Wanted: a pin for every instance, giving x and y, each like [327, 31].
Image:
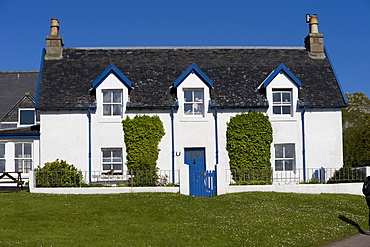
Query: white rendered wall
[324, 146]
[64, 136]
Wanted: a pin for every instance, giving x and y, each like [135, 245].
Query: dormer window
[27, 117]
[112, 102]
[193, 102]
[282, 102]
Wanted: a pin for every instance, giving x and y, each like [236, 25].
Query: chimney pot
[54, 27]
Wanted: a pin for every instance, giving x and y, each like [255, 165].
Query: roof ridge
[188, 47]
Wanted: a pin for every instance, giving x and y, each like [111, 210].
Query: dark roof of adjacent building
[29, 131]
[14, 87]
[237, 73]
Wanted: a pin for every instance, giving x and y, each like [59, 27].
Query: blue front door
[201, 182]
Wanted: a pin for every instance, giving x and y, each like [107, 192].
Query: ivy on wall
[142, 135]
[249, 138]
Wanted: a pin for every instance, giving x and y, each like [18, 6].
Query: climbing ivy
[249, 138]
[142, 135]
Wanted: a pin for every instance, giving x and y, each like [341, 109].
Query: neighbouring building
[19, 122]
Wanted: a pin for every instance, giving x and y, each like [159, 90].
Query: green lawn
[160, 219]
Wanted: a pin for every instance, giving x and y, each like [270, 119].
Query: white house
[85, 93]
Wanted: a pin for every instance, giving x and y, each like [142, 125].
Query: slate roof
[236, 72]
[13, 86]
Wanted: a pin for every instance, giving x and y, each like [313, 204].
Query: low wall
[103, 190]
[345, 188]
[97, 190]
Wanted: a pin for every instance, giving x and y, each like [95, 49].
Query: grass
[166, 219]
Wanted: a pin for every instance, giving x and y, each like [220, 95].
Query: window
[112, 160]
[2, 157]
[23, 157]
[27, 117]
[193, 102]
[282, 102]
[112, 102]
[284, 157]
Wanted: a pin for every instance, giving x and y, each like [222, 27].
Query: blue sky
[345, 25]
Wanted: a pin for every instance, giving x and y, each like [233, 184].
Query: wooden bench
[17, 180]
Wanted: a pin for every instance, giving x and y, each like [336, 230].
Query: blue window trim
[112, 69]
[193, 69]
[282, 69]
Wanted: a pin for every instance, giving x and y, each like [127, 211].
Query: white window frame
[282, 104]
[112, 162]
[112, 104]
[3, 157]
[286, 157]
[20, 116]
[195, 106]
[23, 163]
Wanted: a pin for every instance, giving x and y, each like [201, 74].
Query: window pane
[106, 166]
[2, 165]
[116, 154]
[278, 165]
[198, 109]
[188, 96]
[117, 167]
[117, 96]
[18, 150]
[187, 109]
[106, 110]
[286, 97]
[276, 110]
[279, 151]
[27, 117]
[2, 150]
[198, 95]
[276, 97]
[289, 151]
[27, 165]
[116, 110]
[286, 109]
[107, 97]
[27, 150]
[289, 165]
[106, 154]
[18, 165]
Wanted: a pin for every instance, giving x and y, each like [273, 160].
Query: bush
[249, 138]
[142, 135]
[58, 174]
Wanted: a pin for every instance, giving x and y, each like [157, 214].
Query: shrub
[142, 135]
[58, 174]
[249, 138]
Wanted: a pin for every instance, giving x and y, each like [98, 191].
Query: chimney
[54, 42]
[314, 41]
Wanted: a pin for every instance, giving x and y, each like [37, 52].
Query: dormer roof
[280, 70]
[112, 70]
[193, 69]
